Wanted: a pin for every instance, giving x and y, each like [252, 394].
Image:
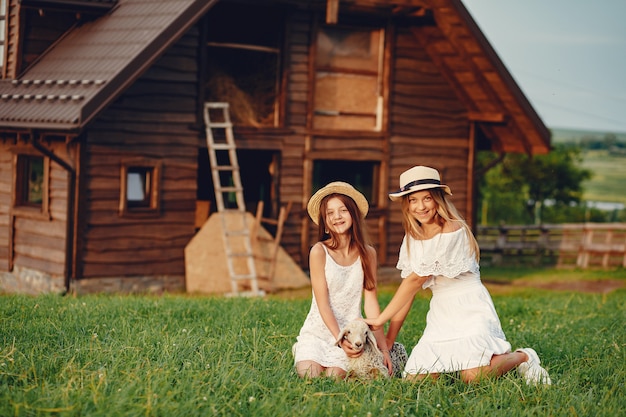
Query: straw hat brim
[337, 187]
[397, 195]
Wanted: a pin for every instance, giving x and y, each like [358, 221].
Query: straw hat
[418, 178]
[337, 187]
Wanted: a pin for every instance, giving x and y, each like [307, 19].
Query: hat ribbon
[420, 182]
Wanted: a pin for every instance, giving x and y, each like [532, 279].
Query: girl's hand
[347, 347]
[373, 323]
[387, 361]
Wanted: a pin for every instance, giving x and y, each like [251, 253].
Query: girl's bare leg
[335, 373]
[500, 365]
[308, 369]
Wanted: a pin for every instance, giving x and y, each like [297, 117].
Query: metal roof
[94, 63]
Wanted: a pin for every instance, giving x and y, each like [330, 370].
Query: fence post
[583, 251]
[500, 245]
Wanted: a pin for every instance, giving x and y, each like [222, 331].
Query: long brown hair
[359, 237]
[446, 212]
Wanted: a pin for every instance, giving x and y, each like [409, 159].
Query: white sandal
[531, 370]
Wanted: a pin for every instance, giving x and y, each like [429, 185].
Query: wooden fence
[572, 245]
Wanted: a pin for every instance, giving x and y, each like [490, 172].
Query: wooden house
[103, 158]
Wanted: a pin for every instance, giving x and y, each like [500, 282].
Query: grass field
[177, 355]
[609, 171]
[609, 176]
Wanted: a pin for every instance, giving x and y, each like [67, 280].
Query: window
[139, 191]
[31, 185]
[363, 175]
[30, 189]
[348, 79]
[139, 188]
[243, 66]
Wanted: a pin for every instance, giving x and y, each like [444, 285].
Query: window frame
[151, 205]
[19, 206]
[330, 70]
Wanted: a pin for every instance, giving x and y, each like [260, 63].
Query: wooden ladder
[227, 182]
[266, 246]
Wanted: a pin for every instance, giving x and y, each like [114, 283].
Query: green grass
[177, 355]
[517, 274]
[609, 174]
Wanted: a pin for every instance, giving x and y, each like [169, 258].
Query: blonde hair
[446, 212]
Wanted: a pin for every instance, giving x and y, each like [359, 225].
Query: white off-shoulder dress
[463, 330]
[315, 342]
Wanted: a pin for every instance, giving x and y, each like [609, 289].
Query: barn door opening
[259, 178]
[363, 175]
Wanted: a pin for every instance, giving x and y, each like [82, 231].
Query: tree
[531, 182]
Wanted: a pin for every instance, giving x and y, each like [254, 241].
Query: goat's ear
[372, 339]
[340, 337]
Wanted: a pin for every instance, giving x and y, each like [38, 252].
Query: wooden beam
[409, 11]
[494, 117]
[332, 11]
[471, 180]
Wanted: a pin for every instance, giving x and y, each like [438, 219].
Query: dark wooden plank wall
[12, 44]
[291, 181]
[429, 126]
[6, 175]
[152, 119]
[38, 241]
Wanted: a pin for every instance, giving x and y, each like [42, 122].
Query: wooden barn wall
[6, 174]
[38, 241]
[12, 38]
[300, 147]
[153, 119]
[292, 181]
[428, 127]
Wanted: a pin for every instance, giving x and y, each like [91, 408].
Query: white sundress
[463, 330]
[315, 342]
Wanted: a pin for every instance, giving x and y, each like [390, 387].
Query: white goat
[368, 365]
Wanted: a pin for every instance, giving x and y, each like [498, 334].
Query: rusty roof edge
[508, 79]
[29, 125]
[142, 61]
[71, 5]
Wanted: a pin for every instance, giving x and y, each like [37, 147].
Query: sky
[567, 56]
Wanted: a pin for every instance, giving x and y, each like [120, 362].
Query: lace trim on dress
[450, 268]
[446, 254]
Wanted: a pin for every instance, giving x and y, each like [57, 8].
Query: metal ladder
[227, 182]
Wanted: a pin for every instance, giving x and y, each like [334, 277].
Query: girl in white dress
[463, 332]
[343, 271]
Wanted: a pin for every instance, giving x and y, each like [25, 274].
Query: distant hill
[560, 135]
